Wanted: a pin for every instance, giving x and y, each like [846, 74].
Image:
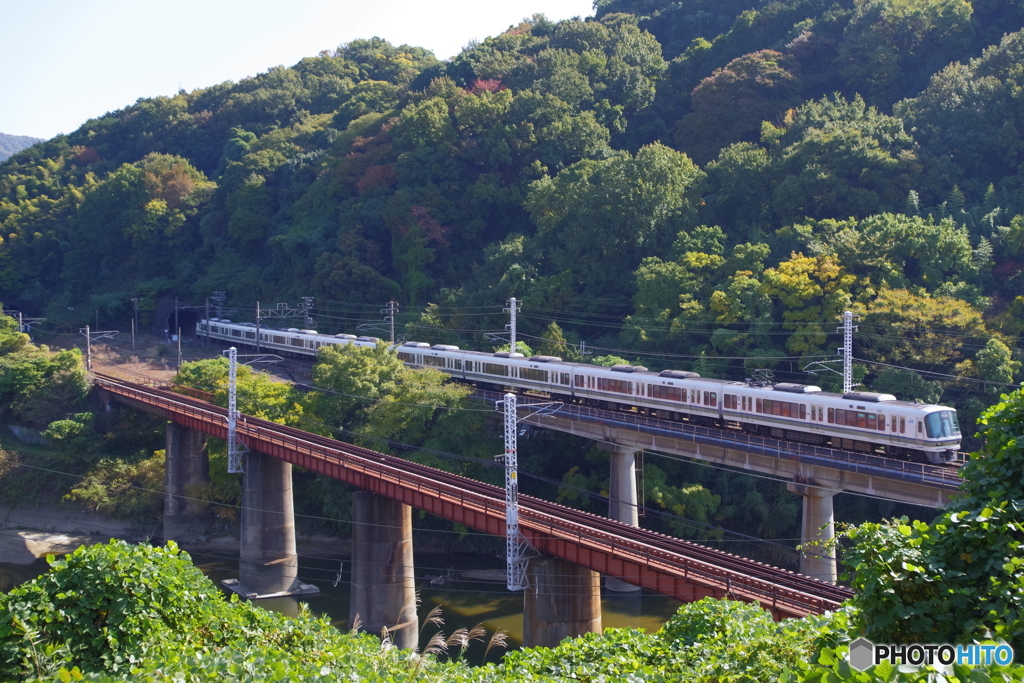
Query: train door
[902, 430]
[817, 418]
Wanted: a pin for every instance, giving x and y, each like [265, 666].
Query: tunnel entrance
[184, 319]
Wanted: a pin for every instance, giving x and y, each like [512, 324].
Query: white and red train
[859, 421]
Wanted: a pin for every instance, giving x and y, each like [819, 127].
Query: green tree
[891, 47]
[809, 290]
[599, 218]
[730, 104]
[918, 329]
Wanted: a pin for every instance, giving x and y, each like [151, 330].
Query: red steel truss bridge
[676, 568]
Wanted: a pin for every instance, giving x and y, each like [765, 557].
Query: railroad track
[541, 513]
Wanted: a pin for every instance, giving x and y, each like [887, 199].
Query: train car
[858, 421]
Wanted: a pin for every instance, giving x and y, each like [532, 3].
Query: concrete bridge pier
[186, 463]
[622, 500]
[818, 523]
[563, 600]
[383, 583]
[267, 564]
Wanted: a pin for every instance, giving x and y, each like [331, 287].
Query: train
[855, 421]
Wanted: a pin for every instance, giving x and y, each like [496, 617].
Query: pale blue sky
[64, 62]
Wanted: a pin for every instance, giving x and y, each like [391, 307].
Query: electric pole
[135, 319]
[235, 449]
[515, 545]
[89, 336]
[307, 304]
[847, 329]
[389, 316]
[218, 302]
[511, 327]
[257, 327]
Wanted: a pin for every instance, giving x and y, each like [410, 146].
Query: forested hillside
[703, 184]
[9, 144]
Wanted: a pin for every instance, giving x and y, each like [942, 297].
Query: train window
[710, 398]
[457, 364]
[236, 333]
[831, 415]
[579, 380]
[919, 424]
[881, 422]
[731, 401]
[435, 361]
[533, 374]
[495, 369]
[250, 335]
[903, 425]
[893, 426]
[665, 393]
[759, 403]
[803, 412]
[564, 380]
[615, 385]
[296, 342]
[942, 424]
[871, 421]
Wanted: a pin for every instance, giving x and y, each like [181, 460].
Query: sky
[65, 62]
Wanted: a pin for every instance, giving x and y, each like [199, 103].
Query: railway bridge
[563, 598]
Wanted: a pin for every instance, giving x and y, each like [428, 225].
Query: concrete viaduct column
[267, 563]
[186, 464]
[563, 600]
[622, 501]
[818, 524]
[383, 583]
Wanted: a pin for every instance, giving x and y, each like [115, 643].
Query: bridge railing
[156, 383]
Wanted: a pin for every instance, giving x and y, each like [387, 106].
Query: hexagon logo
[861, 654]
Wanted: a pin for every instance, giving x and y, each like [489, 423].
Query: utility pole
[517, 549]
[218, 302]
[847, 329]
[25, 324]
[511, 327]
[235, 449]
[257, 327]
[389, 317]
[179, 348]
[89, 336]
[207, 318]
[515, 545]
[307, 304]
[135, 319]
